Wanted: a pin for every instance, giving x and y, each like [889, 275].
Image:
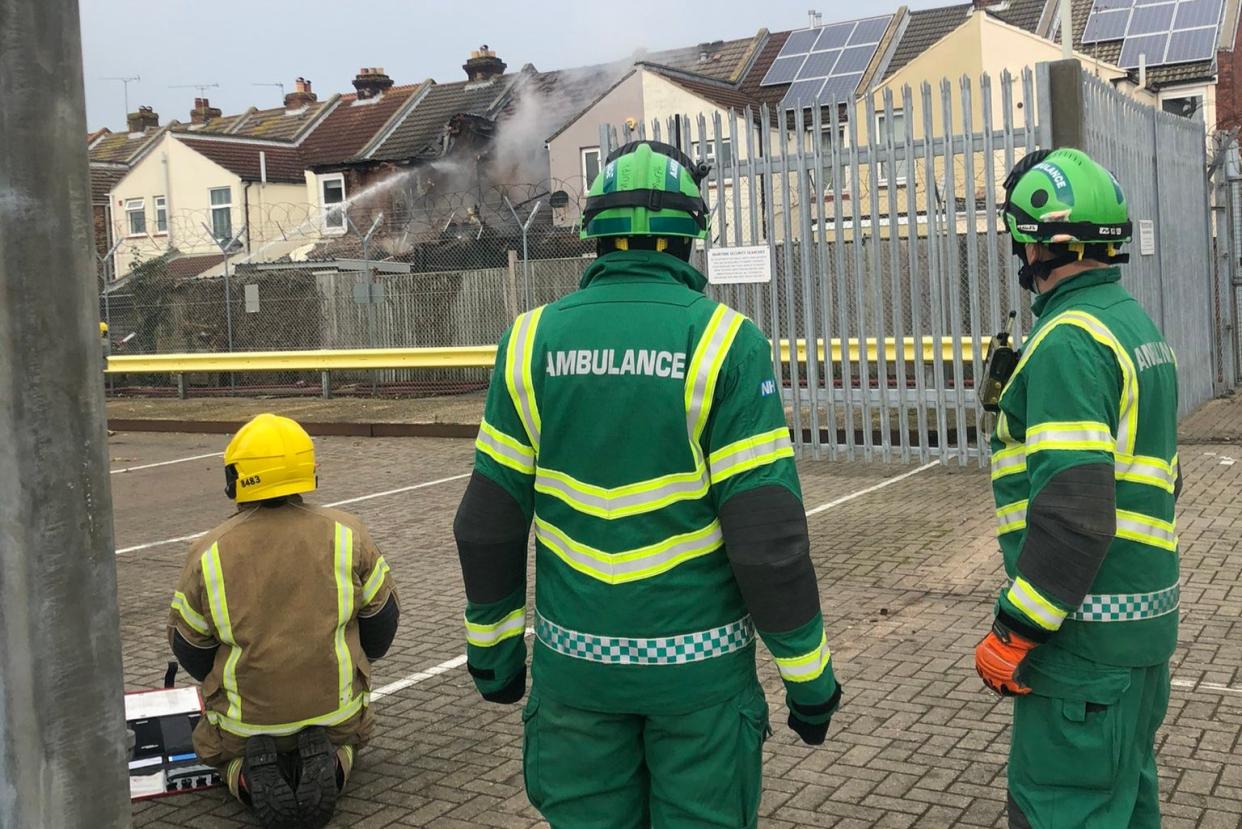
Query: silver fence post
[62, 726]
[525, 227]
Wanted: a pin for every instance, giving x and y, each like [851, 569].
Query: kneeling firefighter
[278, 613]
[639, 425]
[1085, 478]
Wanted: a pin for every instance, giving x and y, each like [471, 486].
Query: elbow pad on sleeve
[1070, 525]
[196, 661]
[766, 539]
[376, 632]
[491, 533]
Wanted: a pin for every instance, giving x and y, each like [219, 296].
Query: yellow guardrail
[474, 356]
[484, 356]
[911, 350]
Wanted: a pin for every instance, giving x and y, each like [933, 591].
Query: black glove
[512, 692]
[813, 734]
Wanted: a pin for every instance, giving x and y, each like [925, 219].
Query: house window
[222, 214]
[332, 195]
[590, 166]
[136, 217]
[826, 143]
[726, 151]
[898, 132]
[1187, 106]
[161, 214]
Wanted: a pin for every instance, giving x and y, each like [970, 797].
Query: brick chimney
[371, 82]
[483, 65]
[203, 111]
[301, 95]
[142, 120]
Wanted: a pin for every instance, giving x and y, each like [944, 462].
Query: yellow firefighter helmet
[269, 457]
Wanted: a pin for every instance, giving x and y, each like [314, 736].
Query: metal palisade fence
[889, 270]
[1161, 160]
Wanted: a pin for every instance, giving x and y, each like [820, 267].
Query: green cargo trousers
[1083, 747]
[595, 770]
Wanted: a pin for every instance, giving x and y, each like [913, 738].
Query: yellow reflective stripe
[518, 359]
[1070, 435]
[188, 614]
[1027, 599]
[808, 666]
[235, 725]
[750, 453]
[1134, 526]
[344, 610]
[1009, 461]
[629, 565]
[622, 501]
[1127, 423]
[375, 581]
[1141, 469]
[485, 636]
[709, 356]
[213, 576]
[505, 450]
[1011, 517]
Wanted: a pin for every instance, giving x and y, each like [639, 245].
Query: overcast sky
[236, 44]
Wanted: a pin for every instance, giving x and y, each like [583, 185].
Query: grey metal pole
[62, 726]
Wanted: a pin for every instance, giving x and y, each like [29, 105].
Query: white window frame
[882, 172]
[843, 142]
[583, 152]
[1199, 92]
[225, 206]
[160, 204]
[325, 209]
[710, 158]
[132, 207]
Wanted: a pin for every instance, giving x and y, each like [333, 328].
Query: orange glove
[998, 657]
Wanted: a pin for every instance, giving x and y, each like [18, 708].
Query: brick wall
[1229, 86]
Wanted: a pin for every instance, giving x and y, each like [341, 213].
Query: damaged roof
[353, 124]
[419, 131]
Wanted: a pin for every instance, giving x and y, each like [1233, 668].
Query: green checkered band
[1128, 607]
[620, 650]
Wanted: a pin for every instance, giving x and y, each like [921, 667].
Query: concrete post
[1061, 103]
[62, 725]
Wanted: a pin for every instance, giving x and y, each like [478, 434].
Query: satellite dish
[558, 199]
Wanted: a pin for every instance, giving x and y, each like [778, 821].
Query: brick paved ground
[907, 574]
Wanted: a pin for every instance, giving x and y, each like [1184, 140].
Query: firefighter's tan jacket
[280, 590]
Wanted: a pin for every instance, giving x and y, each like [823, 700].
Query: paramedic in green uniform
[639, 426]
[1085, 479]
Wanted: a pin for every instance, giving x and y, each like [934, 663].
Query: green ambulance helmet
[1066, 200]
[646, 189]
[1064, 196]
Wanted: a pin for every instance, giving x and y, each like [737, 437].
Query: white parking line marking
[844, 498]
[1205, 686]
[356, 500]
[166, 463]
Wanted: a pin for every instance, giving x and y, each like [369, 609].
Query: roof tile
[284, 164]
[351, 125]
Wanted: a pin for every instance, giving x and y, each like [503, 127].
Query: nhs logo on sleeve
[767, 387]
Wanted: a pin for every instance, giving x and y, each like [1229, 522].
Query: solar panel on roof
[1197, 13]
[819, 64]
[834, 37]
[835, 58]
[799, 42]
[1151, 46]
[1147, 20]
[802, 93]
[1191, 45]
[1160, 31]
[783, 70]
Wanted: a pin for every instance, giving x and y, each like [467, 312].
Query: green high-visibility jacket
[620, 419]
[1096, 384]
